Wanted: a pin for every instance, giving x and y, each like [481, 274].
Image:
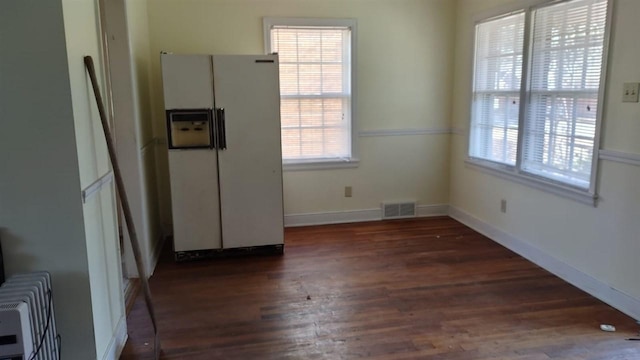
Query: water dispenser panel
[189, 129]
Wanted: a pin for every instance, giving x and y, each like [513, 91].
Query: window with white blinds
[560, 114]
[496, 90]
[560, 128]
[315, 90]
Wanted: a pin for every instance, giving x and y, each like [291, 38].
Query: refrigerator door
[194, 200]
[250, 167]
[187, 83]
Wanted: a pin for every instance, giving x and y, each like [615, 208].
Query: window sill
[320, 165]
[506, 173]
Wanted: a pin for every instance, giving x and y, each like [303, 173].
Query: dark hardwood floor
[406, 289]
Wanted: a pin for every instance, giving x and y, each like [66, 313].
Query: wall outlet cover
[630, 92]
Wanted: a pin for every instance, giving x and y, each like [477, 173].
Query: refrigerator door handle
[221, 129]
[212, 129]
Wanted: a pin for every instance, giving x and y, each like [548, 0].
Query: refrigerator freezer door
[187, 81]
[194, 200]
[250, 168]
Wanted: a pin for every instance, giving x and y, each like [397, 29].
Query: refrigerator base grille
[194, 255]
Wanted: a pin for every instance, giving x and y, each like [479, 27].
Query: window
[536, 97]
[316, 97]
[496, 95]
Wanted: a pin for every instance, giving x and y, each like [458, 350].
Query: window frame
[321, 164]
[515, 172]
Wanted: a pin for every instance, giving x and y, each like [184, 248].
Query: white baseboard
[119, 338]
[432, 210]
[351, 216]
[331, 217]
[617, 299]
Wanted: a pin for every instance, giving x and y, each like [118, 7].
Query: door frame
[117, 63]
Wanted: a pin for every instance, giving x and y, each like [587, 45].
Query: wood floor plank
[405, 289]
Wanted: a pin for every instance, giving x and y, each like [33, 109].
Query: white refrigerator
[225, 162]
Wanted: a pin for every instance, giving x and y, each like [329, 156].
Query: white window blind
[496, 92]
[567, 53]
[315, 91]
[551, 135]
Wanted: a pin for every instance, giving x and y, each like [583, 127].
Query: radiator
[26, 301]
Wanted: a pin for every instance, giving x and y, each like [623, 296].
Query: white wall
[41, 214]
[51, 150]
[128, 42]
[603, 242]
[138, 26]
[83, 37]
[403, 79]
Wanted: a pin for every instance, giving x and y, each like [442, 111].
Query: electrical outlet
[503, 206]
[347, 191]
[630, 92]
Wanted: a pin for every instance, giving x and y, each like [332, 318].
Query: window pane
[315, 128]
[561, 136]
[332, 46]
[497, 78]
[312, 142]
[310, 79]
[332, 78]
[495, 134]
[333, 111]
[314, 89]
[567, 51]
[311, 112]
[291, 143]
[289, 113]
[289, 79]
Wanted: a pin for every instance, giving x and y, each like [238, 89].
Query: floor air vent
[398, 210]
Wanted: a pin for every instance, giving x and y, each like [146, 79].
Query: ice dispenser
[190, 129]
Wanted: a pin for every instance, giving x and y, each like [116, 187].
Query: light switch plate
[630, 92]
